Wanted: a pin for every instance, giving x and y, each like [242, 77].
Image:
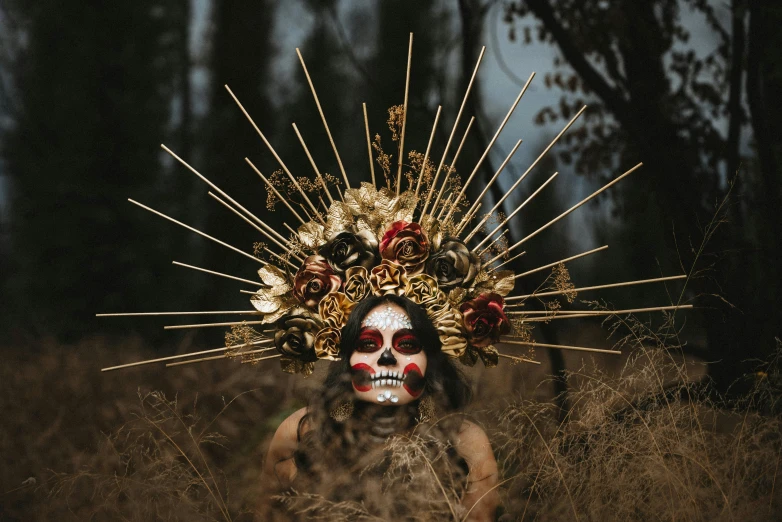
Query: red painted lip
[361, 377]
[413, 380]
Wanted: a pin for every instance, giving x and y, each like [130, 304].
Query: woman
[391, 379]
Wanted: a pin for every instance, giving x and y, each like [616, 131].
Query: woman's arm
[279, 469]
[481, 497]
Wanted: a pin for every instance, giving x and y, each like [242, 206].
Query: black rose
[295, 335]
[453, 265]
[347, 249]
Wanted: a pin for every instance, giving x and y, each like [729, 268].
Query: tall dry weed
[646, 444]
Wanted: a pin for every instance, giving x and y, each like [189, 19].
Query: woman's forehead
[387, 316]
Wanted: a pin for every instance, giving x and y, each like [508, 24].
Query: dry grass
[643, 443]
[635, 447]
[79, 444]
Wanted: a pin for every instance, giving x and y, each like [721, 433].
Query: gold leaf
[481, 277]
[362, 224]
[338, 219]
[405, 206]
[272, 275]
[286, 303]
[457, 295]
[355, 200]
[500, 282]
[489, 356]
[311, 234]
[296, 366]
[385, 205]
[469, 357]
[503, 281]
[265, 302]
[434, 232]
[368, 193]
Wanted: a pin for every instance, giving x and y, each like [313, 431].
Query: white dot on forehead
[387, 317]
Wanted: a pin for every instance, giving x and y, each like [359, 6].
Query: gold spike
[275, 254]
[519, 359]
[451, 170]
[428, 148]
[574, 207]
[404, 117]
[512, 214]
[558, 346]
[516, 184]
[208, 325]
[491, 143]
[489, 271]
[323, 118]
[492, 243]
[216, 357]
[195, 230]
[181, 356]
[446, 204]
[274, 190]
[455, 124]
[270, 237]
[597, 313]
[312, 162]
[218, 274]
[210, 312]
[274, 152]
[491, 182]
[467, 218]
[567, 259]
[598, 287]
[369, 146]
[215, 187]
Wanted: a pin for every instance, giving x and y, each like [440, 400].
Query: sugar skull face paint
[388, 364]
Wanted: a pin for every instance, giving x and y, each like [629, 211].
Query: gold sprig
[383, 159]
[396, 115]
[562, 282]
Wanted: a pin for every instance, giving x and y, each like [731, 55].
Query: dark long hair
[447, 385]
[327, 442]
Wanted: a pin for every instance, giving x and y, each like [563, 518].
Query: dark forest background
[88, 92]
[689, 87]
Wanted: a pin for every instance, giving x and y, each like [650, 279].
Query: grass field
[644, 438]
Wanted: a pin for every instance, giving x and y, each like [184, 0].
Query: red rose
[314, 280]
[484, 319]
[405, 244]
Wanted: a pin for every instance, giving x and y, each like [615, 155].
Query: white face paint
[389, 363]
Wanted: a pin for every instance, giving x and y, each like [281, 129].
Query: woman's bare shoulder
[289, 428]
[470, 434]
[473, 445]
[286, 438]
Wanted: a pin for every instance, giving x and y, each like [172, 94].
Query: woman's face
[388, 365]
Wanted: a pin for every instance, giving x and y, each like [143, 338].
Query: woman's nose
[386, 358]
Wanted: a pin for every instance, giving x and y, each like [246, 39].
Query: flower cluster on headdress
[369, 244]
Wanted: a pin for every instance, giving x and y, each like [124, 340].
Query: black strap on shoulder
[299, 427]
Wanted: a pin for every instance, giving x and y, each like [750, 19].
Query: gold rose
[335, 308]
[357, 283]
[327, 344]
[451, 331]
[422, 289]
[388, 278]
